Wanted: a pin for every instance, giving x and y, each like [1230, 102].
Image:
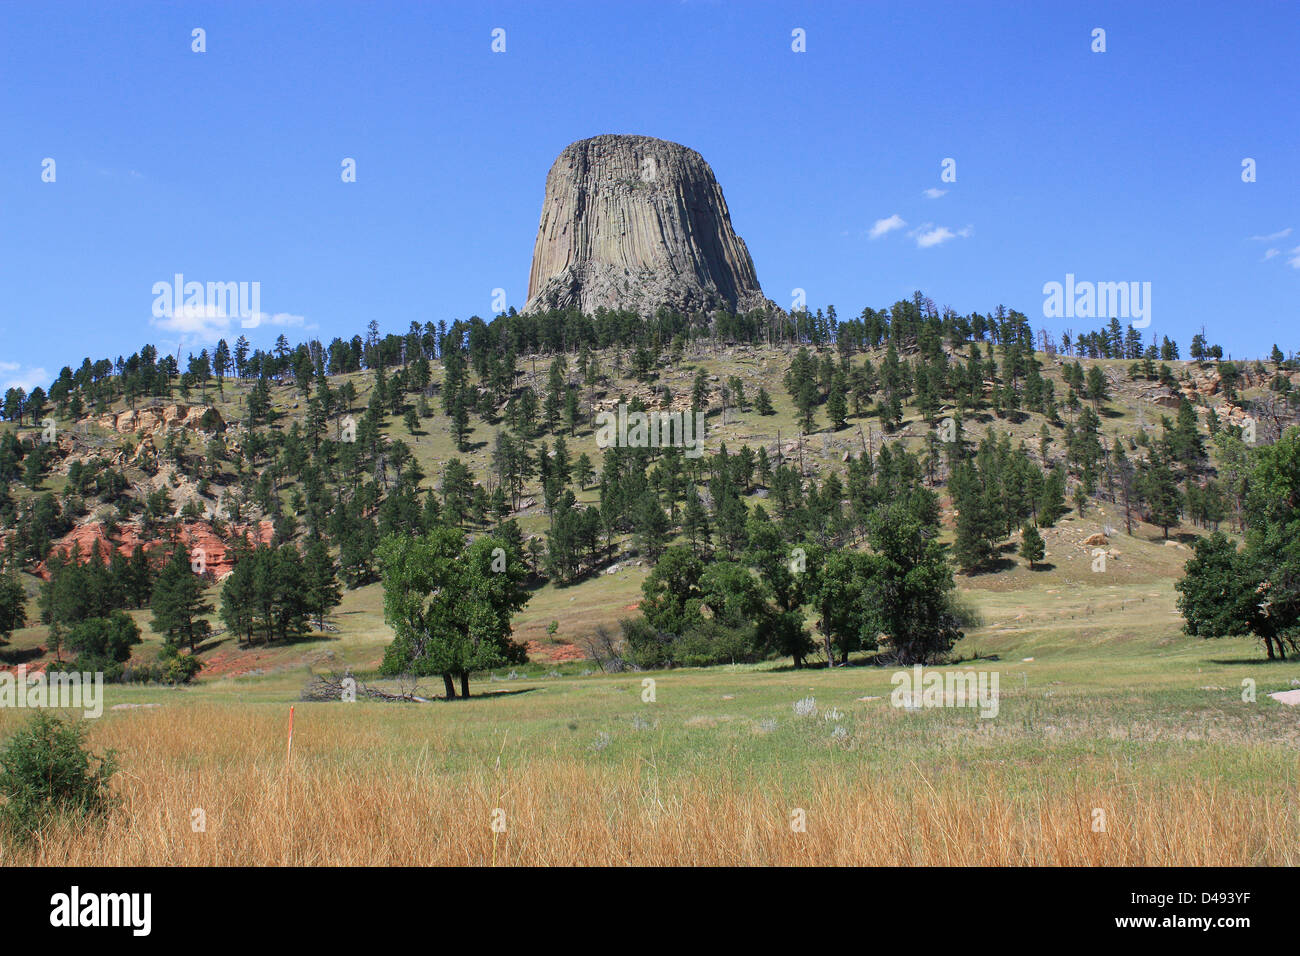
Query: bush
[46, 773]
[103, 641]
[171, 667]
[714, 644]
[177, 667]
[647, 647]
[711, 643]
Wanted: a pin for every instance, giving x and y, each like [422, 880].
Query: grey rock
[632, 222]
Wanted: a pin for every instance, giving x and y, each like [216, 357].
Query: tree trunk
[450, 687]
[464, 684]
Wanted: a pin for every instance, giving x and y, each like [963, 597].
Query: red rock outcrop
[197, 537]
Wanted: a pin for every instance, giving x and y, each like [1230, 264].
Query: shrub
[101, 642]
[46, 772]
[171, 667]
[648, 648]
[177, 668]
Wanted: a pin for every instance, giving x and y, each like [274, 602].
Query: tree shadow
[20, 655]
[212, 643]
[1255, 661]
[489, 693]
[992, 567]
[974, 658]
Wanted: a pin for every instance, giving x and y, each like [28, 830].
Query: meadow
[1118, 741]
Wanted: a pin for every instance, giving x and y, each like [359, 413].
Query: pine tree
[1032, 548]
[651, 525]
[582, 471]
[13, 605]
[321, 581]
[973, 547]
[178, 603]
[1159, 489]
[836, 406]
[695, 521]
[1051, 504]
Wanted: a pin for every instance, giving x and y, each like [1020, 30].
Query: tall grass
[344, 802]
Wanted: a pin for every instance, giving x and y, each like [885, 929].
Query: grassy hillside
[1143, 560]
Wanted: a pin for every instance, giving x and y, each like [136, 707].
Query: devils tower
[632, 222]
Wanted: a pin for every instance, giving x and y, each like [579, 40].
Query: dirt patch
[237, 663]
[555, 652]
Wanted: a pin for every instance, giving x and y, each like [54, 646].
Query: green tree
[671, 593]
[46, 773]
[321, 582]
[13, 605]
[1159, 489]
[1032, 547]
[1097, 389]
[842, 591]
[178, 602]
[1051, 502]
[450, 609]
[837, 408]
[582, 471]
[100, 642]
[1219, 594]
[238, 596]
[911, 589]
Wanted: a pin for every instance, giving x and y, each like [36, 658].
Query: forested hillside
[854, 471]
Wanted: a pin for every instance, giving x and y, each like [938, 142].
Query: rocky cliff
[635, 222]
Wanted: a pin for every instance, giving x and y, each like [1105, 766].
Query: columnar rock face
[631, 222]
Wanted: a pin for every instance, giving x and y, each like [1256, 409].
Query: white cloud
[885, 226]
[13, 375]
[1269, 254]
[1294, 261]
[198, 323]
[931, 235]
[933, 193]
[205, 324]
[1280, 234]
[282, 320]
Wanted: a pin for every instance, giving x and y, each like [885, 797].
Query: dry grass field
[1108, 748]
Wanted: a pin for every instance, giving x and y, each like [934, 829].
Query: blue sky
[225, 165]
